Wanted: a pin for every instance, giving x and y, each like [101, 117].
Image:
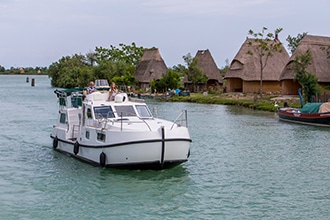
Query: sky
[37, 33]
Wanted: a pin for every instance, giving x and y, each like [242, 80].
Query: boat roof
[71, 91]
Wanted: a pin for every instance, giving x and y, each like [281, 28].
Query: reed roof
[320, 65]
[247, 66]
[151, 66]
[206, 63]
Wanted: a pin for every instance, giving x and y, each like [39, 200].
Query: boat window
[87, 135]
[100, 137]
[103, 112]
[125, 110]
[143, 111]
[62, 118]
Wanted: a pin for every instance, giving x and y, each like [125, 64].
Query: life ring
[76, 148]
[55, 142]
[103, 158]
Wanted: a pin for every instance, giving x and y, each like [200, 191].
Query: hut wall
[289, 87]
[234, 85]
[268, 87]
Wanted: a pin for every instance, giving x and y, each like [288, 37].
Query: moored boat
[317, 114]
[119, 133]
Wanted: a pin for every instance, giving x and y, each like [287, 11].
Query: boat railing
[145, 122]
[103, 121]
[123, 119]
[181, 120]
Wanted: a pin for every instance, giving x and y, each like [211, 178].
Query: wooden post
[32, 82]
[27, 79]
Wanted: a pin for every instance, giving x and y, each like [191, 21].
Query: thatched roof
[247, 67]
[206, 63]
[320, 65]
[151, 66]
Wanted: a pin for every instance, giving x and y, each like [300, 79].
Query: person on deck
[113, 91]
[91, 88]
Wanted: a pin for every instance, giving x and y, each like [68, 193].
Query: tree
[129, 54]
[125, 80]
[169, 80]
[118, 64]
[67, 72]
[114, 64]
[180, 69]
[91, 58]
[188, 59]
[225, 68]
[193, 72]
[293, 42]
[266, 45]
[307, 80]
[2, 69]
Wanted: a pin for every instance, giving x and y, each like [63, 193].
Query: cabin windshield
[143, 111]
[103, 112]
[125, 110]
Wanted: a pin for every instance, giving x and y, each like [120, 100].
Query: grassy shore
[253, 101]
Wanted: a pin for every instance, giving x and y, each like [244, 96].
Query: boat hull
[153, 154]
[316, 119]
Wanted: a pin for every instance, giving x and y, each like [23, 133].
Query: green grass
[264, 104]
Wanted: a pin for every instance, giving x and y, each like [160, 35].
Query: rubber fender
[76, 148]
[103, 158]
[55, 142]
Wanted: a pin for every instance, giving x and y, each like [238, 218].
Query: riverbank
[253, 101]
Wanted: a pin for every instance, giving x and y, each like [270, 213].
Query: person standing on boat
[91, 88]
[113, 91]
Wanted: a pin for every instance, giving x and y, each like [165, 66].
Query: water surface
[244, 164]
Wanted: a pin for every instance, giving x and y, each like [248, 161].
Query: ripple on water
[244, 164]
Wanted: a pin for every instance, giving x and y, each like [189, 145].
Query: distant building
[243, 74]
[320, 65]
[206, 63]
[151, 66]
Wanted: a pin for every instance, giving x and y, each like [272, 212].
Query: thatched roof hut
[151, 66]
[320, 65]
[243, 74]
[207, 64]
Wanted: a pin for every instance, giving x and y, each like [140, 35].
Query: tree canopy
[193, 72]
[169, 80]
[266, 45]
[306, 79]
[114, 64]
[293, 42]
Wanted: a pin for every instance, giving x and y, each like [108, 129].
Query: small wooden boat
[317, 114]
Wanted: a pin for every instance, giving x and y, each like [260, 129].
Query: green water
[244, 164]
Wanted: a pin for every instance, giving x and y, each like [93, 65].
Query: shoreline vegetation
[253, 101]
